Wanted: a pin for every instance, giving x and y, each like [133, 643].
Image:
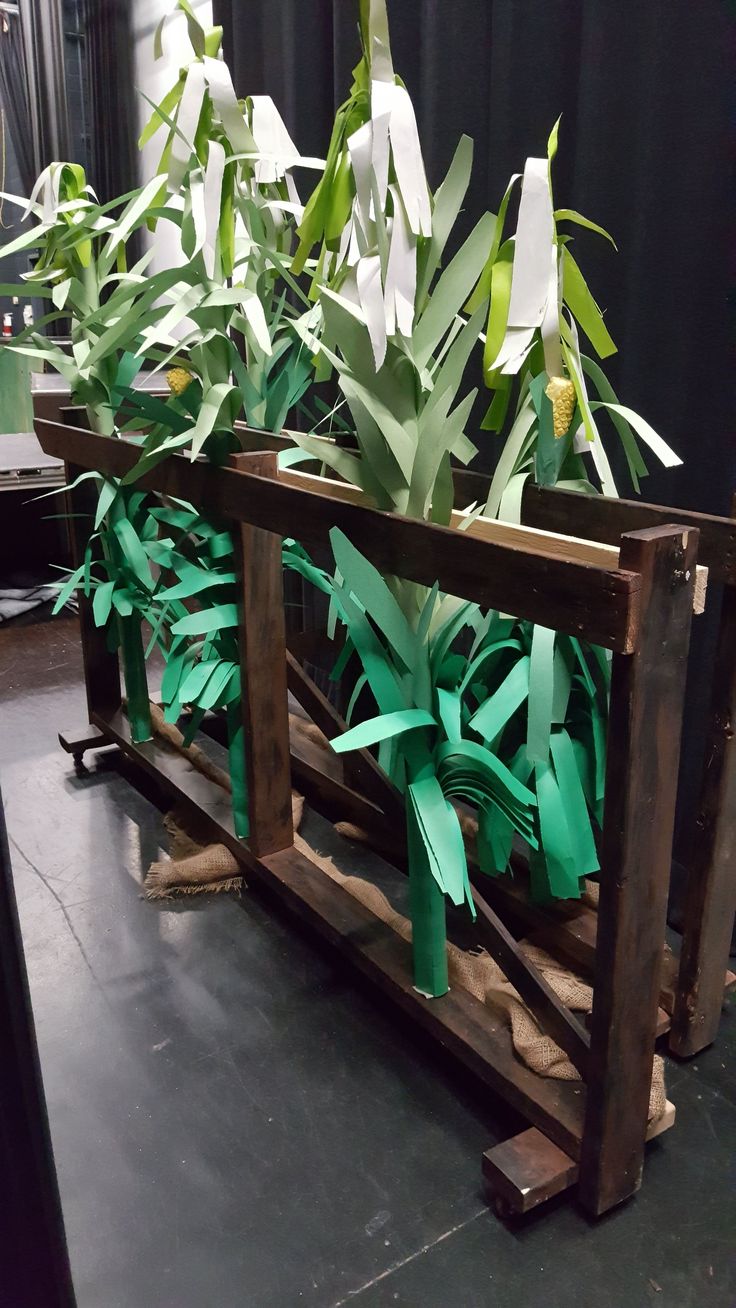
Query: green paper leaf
[584, 308]
[383, 727]
[218, 618]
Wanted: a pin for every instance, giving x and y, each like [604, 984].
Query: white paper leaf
[408, 162]
[534, 239]
[370, 292]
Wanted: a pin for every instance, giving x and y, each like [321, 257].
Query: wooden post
[263, 676]
[710, 897]
[101, 666]
[647, 694]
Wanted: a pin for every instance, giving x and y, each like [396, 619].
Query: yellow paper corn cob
[561, 392]
[178, 379]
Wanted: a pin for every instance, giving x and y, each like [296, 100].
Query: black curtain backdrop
[644, 150]
[14, 97]
[110, 76]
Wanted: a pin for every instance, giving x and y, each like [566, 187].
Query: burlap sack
[195, 867]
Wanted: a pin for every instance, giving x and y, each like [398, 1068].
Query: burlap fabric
[196, 867]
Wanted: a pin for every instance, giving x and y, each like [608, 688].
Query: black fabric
[644, 150]
[643, 89]
[43, 42]
[14, 96]
[111, 82]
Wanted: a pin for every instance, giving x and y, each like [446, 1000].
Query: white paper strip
[408, 162]
[371, 302]
[401, 273]
[534, 240]
[381, 100]
[212, 203]
[360, 149]
[190, 108]
[380, 45]
[272, 138]
[226, 103]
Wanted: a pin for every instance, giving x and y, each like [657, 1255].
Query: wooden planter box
[637, 604]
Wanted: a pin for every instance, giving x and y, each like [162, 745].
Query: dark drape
[14, 96]
[111, 82]
[644, 150]
[43, 43]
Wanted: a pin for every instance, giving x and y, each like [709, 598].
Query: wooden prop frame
[640, 609]
[695, 981]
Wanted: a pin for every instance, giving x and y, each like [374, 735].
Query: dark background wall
[643, 88]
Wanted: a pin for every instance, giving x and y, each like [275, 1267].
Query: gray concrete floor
[239, 1124]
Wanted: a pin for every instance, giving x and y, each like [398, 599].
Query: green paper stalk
[427, 909]
[134, 674]
[236, 759]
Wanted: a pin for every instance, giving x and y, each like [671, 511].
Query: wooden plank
[647, 694]
[554, 1018]
[596, 604]
[101, 665]
[458, 1022]
[710, 896]
[529, 1169]
[552, 543]
[264, 698]
[526, 1171]
[603, 519]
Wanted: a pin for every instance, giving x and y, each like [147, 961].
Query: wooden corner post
[263, 675]
[101, 665]
[710, 898]
[647, 694]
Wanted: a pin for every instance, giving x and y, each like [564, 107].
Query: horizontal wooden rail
[596, 517]
[594, 603]
[555, 544]
[603, 519]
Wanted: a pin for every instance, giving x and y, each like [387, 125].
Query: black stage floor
[239, 1124]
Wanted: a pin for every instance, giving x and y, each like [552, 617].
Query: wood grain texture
[525, 1171]
[594, 603]
[647, 694]
[262, 641]
[555, 544]
[599, 518]
[710, 897]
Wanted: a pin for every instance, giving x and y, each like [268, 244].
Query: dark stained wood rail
[606, 520]
[598, 604]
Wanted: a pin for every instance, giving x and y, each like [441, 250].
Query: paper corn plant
[116, 575]
[390, 326]
[539, 304]
[552, 692]
[198, 609]
[413, 675]
[226, 170]
[82, 271]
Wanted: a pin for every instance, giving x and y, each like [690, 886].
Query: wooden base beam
[527, 1170]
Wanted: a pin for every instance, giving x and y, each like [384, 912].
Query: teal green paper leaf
[382, 728]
